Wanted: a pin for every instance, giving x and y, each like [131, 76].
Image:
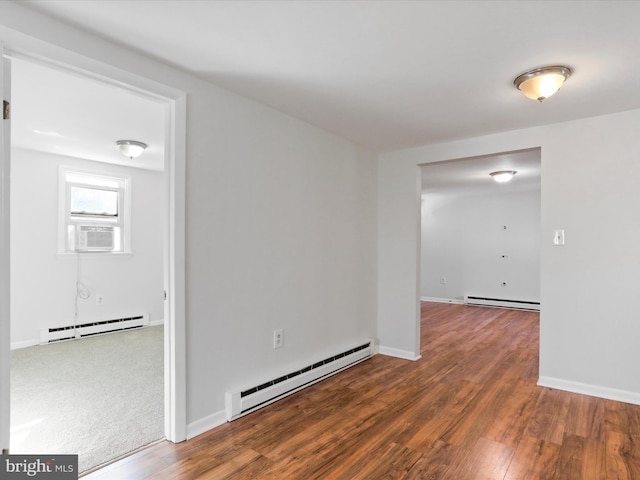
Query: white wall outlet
[278, 338]
[443, 280]
[99, 300]
[558, 237]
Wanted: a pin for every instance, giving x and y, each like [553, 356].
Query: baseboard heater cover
[68, 332]
[239, 403]
[501, 302]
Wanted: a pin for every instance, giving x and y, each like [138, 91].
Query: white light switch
[558, 237]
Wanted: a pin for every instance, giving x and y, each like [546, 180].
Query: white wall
[464, 239]
[43, 281]
[281, 228]
[281, 234]
[589, 320]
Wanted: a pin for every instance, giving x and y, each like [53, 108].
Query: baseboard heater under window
[240, 403]
[501, 302]
[68, 332]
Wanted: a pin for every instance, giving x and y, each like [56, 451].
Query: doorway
[59, 134]
[172, 233]
[480, 239]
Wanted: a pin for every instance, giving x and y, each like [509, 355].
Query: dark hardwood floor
[469, 409]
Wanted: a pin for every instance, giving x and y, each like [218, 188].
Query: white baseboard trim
[591, 390]
[205, 424]
[155, 323]
[454, 301]
[24, 344]
[395, 352]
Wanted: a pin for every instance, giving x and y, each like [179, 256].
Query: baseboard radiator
[68, 332]
[239, 403]
[501, 302]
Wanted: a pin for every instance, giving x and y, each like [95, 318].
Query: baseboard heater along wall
[245, 401]
[501, 302]
[68, 332]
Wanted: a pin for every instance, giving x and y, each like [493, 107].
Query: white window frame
[68, 223]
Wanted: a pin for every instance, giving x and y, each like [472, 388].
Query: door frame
[5, 259]
[174, 225]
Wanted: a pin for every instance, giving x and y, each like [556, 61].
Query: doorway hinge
[6, 110]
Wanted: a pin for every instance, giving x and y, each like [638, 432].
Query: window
[96, 202]
[94, 212]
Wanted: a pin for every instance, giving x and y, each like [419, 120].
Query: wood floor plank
[569, 462]
[512, 417]
[437, 462]
[622, 435]
[594, 464]
[487, 460]
[203, 460]
[586, 417]
[623, 456]
[392, 459]
[469, 409]
[581, 458]
[622, 418]
[442, 419]
[549, 419]
[534, 459]
[474, 420]
[247, 464]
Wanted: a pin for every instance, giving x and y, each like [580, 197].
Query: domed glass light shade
[503, 176]
[541, 83]
[131, 148]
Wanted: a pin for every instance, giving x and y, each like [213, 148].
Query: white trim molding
[591, 390]
[395, 352]
[25, 343]
[205, 424]
[442, 300]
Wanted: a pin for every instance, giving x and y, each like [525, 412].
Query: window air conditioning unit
[95, 239]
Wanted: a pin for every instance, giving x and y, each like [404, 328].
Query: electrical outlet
[99, 299]
[278, 338]
[443, 280]
[558, 237]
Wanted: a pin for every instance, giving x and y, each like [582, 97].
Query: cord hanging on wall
[82, 293]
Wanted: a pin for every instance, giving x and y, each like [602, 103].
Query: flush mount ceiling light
[503, 176]
[131, 148]
[541, 83]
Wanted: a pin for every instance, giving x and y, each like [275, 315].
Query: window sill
[70, 254]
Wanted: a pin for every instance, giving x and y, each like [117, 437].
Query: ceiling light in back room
[503, 176]
[131, 148]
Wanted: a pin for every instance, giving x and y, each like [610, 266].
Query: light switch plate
[558, 237]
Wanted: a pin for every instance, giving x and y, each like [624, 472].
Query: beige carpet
[99, 397]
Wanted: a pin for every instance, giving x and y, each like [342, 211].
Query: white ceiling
[383, 74]
[388, 74]
[471, 175]
[75, 116]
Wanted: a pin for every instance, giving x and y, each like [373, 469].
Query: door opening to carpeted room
[74, 388]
